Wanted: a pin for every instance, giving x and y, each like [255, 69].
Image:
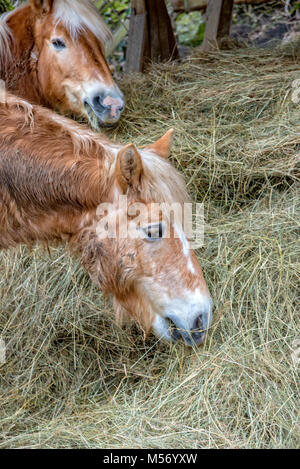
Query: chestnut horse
[55, 174]
[52, 53]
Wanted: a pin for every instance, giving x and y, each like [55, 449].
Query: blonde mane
[76, 16]
[163, 183]
[6, 39]
[80, 15]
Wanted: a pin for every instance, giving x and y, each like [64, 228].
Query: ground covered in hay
[73, 378]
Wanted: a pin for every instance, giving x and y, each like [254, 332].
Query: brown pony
[52, 53]
[59, 181]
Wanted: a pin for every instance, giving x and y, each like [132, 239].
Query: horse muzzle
[190, 326]
[104, 109]
[191, 337]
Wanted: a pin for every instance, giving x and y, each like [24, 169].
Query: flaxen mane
[6, 40]
[77, 16]
[80, 15]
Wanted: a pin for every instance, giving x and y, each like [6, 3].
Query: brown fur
[44, 183]
[31, 69]
[53, 175]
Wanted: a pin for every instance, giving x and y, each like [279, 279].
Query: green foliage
[190, 28]
[5, 5]
[113, 11]
[295, 8]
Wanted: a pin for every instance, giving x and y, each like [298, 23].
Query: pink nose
[115, 104]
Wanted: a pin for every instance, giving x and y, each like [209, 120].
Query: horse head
[138, 253]
[64, 41]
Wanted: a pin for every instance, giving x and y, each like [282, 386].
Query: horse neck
[50, 185]
[45, 202]
[19, 73]
[20, 226]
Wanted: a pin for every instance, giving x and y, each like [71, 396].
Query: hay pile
[74, 379]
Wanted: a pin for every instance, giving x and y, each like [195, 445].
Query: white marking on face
[183, 313]
[106, 102]
[91, 89]
[114, 103]
[190, 266]
[185, 310]
[185, 247]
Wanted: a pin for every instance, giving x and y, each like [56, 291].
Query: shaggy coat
[54, 173]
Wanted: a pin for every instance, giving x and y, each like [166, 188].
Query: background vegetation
[5, 5]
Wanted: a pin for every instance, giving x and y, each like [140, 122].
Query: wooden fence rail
[193, 5]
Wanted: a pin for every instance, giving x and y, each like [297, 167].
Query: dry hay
[73, 378]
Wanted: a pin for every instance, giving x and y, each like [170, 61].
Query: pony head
[69, 59]
[135, 251]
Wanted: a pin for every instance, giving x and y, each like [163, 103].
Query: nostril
[174, 332]
[104, 103]
[198, 325]
[98, 103]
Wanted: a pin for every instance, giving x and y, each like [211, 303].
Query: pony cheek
[52, 81]
[74, 95]
[43, 77]
[48, 77]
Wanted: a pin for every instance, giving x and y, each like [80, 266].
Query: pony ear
[162, 145]
[41, 7]
[129, 167]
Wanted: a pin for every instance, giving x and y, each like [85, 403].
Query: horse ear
[162, 146]
[129, 167]
[41, 7]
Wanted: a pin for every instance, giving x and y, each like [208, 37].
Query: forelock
[78, 16]
[6, 39]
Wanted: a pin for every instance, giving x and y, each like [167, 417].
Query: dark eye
[58, 44]
[154, 232]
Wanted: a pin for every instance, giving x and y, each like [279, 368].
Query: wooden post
[137, 37]
[151, 36]
[218, 21]
[161, 36]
